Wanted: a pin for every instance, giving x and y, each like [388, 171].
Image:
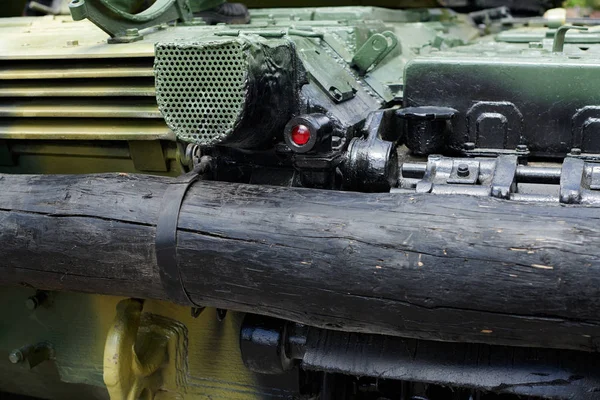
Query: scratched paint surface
[77, 324]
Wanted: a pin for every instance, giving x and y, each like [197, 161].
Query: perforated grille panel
[201, 89]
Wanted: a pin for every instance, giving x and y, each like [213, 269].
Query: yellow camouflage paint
[77, 325]
[61, 111]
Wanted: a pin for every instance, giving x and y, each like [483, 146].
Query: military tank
[531, 7]
[528, 7]
[326, 203]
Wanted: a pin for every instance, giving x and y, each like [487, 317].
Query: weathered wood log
[449, 268]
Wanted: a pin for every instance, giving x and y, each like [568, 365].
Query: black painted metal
[427, 128]
[263, 344]
[557, 374]
[372, 163]
[576, 182]
[166, 239]
[320, 128]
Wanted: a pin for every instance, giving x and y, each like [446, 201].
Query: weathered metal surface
[142, 354]
[230, 87]
[78, 109]
[272, 346]
[72, 103]
[77, 325]
[60, 84]
[59, 37]
[315, 3]
[124, 27]
[68, 89]
[504, 100]
[20, 71]
[82, 129]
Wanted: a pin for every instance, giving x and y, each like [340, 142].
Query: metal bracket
[338, 83]
[502, 176]
[559, 38]
[580, 182]
[475, 177]
[371, 163]
[376, 48]
[571, 180]
[505, 177]
[143, 353]
[124, 27]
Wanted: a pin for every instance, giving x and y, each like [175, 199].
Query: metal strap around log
[166, 239]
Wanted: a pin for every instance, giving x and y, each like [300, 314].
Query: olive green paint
[148, 156]
[77, 326]
[6, 158]
[111, 123]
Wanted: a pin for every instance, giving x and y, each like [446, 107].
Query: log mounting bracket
[577, 181]
[144, 354]
[166, 239]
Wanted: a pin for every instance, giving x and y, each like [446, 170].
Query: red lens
[300, 135]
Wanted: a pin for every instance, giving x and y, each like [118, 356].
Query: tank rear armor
[325, 203]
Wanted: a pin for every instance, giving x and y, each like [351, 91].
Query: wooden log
[449, 268]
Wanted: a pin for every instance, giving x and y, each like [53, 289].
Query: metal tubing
[527, 174]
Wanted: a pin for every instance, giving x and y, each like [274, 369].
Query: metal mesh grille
[200, 90]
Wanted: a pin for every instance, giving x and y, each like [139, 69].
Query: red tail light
[300, 135]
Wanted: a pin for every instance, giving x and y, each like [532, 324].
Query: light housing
[308, 133]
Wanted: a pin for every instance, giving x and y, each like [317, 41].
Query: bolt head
[31, 303]
[463, 170]
[16, 357]
[132, 32]
[469, 146]
[576, 151]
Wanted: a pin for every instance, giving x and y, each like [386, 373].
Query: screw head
[16, 357]
[463, 170]
[522, 148]
[576, 151]
[469, 146]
